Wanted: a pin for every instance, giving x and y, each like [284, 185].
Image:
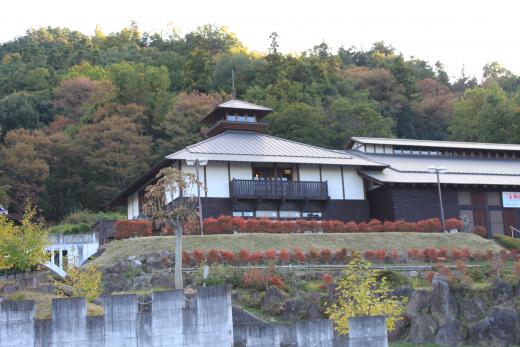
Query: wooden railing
[274, 189]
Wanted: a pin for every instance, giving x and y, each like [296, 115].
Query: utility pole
[438, 171]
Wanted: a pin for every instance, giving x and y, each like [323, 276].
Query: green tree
[18, 110]
[360, 294]
[486, 114]
[300, 122]
[358, 116]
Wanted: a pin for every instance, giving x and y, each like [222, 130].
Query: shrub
[313, 255]
[341, 255]
[284, 256]
[265, 225]
[430, 254]
[213, 257]
[480, 231]
[363, 227]
[395, 256]
[186, 259]
[351, 227]
[442, 253]
[227, 257]
[257, 258]
[229, 225]
[298, 255]
[253, 278]
[198, 256]
[516, 270]
[454, 223]
[244, 256]
[326, 256]
[84, 282]
[413, 253]
[429, 276]
[253, 225]
[375, 225]
[380, 255]
[328, 280]
[132, 228]
[211, 226]
[508, 242]
[370, 255]
[275, 280]
[466, 254]
[429, 225]
[270, 254]
[389, 226]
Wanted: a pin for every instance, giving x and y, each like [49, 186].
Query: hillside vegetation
[122, 249]
[82, 116]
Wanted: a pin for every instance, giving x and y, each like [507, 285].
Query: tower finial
[233, 92]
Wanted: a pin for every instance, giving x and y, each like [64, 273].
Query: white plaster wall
[191, 169]
[241, 171]
[133, 205]
[217, 180]
[309, 173]
[379, 148]
[332, 174]
[354, 189]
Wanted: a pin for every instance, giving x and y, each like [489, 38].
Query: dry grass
[43, 303]
[260, 242]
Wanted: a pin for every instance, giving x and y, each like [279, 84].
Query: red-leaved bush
[227, 257]
[244, 256]
[298, 255]
[284, 255]
[213, 257]
[199, 256]
[480, 231]
[229, 225]
[326, 256]
[270, 254]
[125, 229]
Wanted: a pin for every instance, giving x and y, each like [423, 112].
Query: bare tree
[169, 202]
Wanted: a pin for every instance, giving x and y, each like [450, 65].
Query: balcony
[273, 189]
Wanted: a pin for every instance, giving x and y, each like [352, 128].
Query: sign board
[511, 199]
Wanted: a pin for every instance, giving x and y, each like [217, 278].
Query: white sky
[456, 32]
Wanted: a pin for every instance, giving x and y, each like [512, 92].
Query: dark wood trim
[229, 171]
[298, 172]
[321, 176]
[205, 182]
[342, 182]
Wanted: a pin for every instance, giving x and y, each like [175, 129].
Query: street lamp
[198, 162]
[438, 170]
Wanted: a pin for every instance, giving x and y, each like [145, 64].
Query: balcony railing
[273, 189]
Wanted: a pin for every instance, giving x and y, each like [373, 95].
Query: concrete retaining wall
[173, 321]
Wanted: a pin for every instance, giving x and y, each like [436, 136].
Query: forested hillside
[83, 116]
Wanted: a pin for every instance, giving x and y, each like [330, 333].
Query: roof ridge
[245, 102]
[426, 140]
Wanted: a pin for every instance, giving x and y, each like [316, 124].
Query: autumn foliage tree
[359, 293]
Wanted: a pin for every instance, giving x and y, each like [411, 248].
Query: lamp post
[438, 170]
[198, 162]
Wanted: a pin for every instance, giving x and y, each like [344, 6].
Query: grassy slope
[260, 242]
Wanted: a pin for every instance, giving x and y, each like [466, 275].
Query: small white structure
[74, 250]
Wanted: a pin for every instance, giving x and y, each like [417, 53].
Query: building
[481, 183]
[252, 174]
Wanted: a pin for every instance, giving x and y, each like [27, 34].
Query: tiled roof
[460, 170]
[257, 147]
[434, 144]
[239, 104]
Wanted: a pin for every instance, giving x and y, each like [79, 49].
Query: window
[250, 119]
[464, 198]
[285, 174]
[231, 118]
[243, 214]
[497, 221]
[493, 199]
[312, 215]
[290, 214]
[241, 118]
[267, 214]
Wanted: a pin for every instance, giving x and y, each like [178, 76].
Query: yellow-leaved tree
[360, 293]
[83, 282]
[22, 246]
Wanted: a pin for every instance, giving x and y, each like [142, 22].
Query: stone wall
[172, 320]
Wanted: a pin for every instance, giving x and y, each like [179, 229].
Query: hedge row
[508, 242]
[132, 228]
[231, 225]
[340, 256]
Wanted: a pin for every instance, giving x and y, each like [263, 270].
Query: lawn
[399, 241]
